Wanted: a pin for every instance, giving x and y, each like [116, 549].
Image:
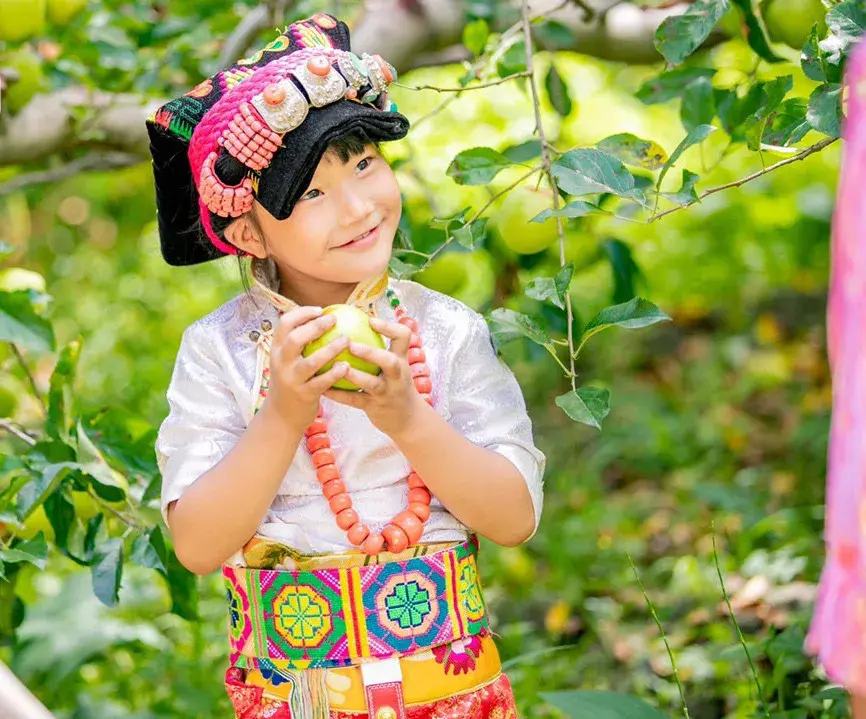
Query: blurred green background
[716, 437]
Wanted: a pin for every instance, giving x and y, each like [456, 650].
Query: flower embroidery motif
[302, 616]
[460, 656]
[408, 605]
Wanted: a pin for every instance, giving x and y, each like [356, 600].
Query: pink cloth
[838, 631]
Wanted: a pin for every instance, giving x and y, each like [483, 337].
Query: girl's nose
[354, 206]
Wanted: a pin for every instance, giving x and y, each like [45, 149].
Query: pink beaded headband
[249, 122]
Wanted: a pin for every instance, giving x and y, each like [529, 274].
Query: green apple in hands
[354, 324]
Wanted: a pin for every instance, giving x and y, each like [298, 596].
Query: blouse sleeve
[486, 405]
[204, 420]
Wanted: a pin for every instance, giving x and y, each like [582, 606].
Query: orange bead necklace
[406, 528]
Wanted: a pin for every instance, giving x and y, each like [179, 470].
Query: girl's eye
[311, 195]
[365, 163]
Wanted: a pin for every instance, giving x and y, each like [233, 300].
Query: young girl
[345, 522]
[838, 632]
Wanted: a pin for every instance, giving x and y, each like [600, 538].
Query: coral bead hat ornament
[257, 130]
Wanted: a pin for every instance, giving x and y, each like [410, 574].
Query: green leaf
[34, 551]
[60, 511]
[475, 36]
[814, 62]
[92, 532]
[699, 105]
[632, 150]
[552, 35]
[589, 405]
[787, 125]
[109, 485]
[513, 60]
[552, 289]
[773, 94]
[580, 704]
[756, 31]
[671, 85]
[825, 111]
[846, 23]
[575, 209]
[523, 152]
[634, 314]
[183, 585]
[107, 571]
[624, 268]
[477, 166]
[587, 171]
[34, 494]
[557, 91]
[444, 223]
[20, 324]
[60, 398]
[507, 325]
[679, 36]
[699, 134]
[149, 551]
[686, 194]
[401, 270]
[472, 235]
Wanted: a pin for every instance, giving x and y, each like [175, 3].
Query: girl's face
[341, 230]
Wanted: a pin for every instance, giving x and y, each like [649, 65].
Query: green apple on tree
[31, 78]
[21, 19]
[511, 217]
[354, 324]
[791, 21]
[60, 12]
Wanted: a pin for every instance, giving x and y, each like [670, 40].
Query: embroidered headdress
[257, 130]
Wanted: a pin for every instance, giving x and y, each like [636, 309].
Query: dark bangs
[355, 142]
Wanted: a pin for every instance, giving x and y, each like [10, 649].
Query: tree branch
[811, 150]
[12, 428]
[93, 161]
[492, 83]
[545, 163]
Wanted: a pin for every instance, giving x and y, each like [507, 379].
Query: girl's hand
[295, 389]
[389, 399]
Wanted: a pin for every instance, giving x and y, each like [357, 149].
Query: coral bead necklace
[406, 528]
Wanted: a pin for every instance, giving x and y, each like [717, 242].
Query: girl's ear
[245, 236]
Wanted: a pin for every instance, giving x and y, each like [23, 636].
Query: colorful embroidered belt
[337, 617]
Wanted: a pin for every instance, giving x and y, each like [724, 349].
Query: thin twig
[737, 627]
[811, 150]
[480, 212]
[545, 163]
[30, 378]
[658, 622]
[93, 161]
[17, 431]
[483, 85]
[122, 517]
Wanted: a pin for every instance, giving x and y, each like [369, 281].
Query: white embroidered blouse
[215, 385]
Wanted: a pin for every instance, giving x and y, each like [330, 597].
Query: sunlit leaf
[573, 210]
[507, 325]
[475, 36]
[107, 571]
[686, 194]
[632, 150]
[580, 704]
[824, 112]
[699, 134]
[589, 405]
[551, 289]
[513, 60]
[846, 23]
[524, 152]
[477, 166]
[109, 485]
[20, 324]
[472, 235]
[814, 61]
[587, 171]
[34, 551]
[633, 314]
[680, 35]
[33, 494]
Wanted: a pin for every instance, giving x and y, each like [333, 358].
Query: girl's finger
[301, 336]
[388, 361]
[326, 380]
[294, 318]
[307, 367]
[397, 333]
[351, 399]
[371, 384]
